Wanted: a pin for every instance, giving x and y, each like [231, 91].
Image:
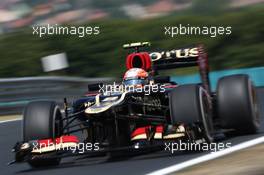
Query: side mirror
[162, 79]
[94, 87]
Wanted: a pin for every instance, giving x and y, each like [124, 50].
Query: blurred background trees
[102, 55]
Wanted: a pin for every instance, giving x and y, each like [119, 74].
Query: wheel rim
[205, 107]
[255, 106]
[58, 125]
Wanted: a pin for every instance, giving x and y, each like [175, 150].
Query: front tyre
[42, 120]
[191, 105]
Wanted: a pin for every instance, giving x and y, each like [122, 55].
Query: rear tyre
[42, 120]
[237, 104]
[191, 104]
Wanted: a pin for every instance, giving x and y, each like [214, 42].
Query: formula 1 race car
[140, 113]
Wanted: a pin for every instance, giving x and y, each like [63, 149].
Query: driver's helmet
[135, 77]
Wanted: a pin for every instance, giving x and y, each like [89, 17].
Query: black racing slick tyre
[42, 120]
[190, 104]
[237, 104]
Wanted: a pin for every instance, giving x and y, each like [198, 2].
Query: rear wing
[186, 57]
[182, 57]
[176, 58]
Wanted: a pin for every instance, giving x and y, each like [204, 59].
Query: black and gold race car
[115, 120]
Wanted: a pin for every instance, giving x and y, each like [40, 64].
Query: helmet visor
[135, 82]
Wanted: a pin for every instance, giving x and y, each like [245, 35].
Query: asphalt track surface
[10, 133]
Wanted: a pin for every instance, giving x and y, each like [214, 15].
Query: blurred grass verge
[244, 162]
[102, 55]
[10, 117]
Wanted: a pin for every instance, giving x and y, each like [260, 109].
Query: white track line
[11, 120]
[207, 157]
